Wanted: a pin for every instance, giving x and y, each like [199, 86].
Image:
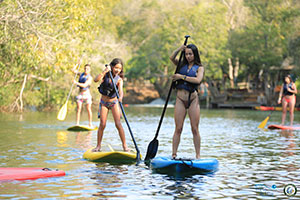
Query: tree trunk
[236, 70]
[230, 73]
[21, 93]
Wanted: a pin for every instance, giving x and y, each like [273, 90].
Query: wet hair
[197, 59]
[116, 61]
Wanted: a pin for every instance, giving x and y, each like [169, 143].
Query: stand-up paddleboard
[82, 128]
[274, 126]
[7, 174]
[108, 154]
[167, 165]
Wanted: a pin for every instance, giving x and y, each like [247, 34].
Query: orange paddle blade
[63, 112]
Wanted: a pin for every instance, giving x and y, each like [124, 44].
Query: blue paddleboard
[167, 165]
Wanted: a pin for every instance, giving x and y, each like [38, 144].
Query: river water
[253, 163]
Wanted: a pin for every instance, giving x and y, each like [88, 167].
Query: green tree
[263, 42]
[154, 36]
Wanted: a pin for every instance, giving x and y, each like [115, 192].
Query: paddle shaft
[170, 91]
[123, 112]
[74, 79]
[263, 123]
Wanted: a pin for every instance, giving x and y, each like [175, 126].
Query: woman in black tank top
[287, 97]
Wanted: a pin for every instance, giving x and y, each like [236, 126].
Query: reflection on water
[253, 163]
[62, 138]
[109, 180]
[290, 141]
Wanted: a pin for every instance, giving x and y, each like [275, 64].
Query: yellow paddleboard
[110, 155]
[82, 128]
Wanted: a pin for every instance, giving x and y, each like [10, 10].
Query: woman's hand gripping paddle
[153, 145]
[123, 112]
[64, 109]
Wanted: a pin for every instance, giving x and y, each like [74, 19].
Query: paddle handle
[170, 91]
[123, 112]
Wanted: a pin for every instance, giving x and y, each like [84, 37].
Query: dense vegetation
[41, 40]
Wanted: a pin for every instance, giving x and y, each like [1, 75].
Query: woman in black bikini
[188, 79]
[287, 97]
[109, 100]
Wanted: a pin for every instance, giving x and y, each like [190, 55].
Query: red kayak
[264, 108]
[269, 108]
[8, 173]
[274, 126]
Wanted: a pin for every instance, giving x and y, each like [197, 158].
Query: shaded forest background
[41, 40]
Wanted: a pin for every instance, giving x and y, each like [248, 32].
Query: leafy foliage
[45, 39]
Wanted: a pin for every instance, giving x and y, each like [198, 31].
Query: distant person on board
[188, 79]
[84, 83]
[287, 97]
[109, 100]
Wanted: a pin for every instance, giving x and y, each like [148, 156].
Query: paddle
[123, 112]
[264, 123]
[153, 145]
[64, 109]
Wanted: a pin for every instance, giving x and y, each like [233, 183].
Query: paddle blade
[63, 112]
[264, 123]
[152, 150]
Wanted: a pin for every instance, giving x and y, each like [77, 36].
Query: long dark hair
[288, 76]
[197, 60]
[116, 61]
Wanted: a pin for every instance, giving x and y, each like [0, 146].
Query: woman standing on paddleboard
[109, 100]
[287, 97]
[84, 83]
[188, 78]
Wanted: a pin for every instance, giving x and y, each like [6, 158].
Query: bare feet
[97, 149]
[91, 126]
[174, 156]
[128, 150]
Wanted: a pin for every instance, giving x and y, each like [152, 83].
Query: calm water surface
[254, 163]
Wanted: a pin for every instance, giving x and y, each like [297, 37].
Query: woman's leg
[179, 116]
[284, 108]
[89, 110]
[292, 107]
[103, 118]
[194, 115]
[117, 117]
[79, 106]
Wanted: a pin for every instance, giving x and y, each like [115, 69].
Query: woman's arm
[195, 80]
[120, 88]
[174, 54]
[86, 84]
[280, 94]
[100, 76]
[294, 89]
[74, 70]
